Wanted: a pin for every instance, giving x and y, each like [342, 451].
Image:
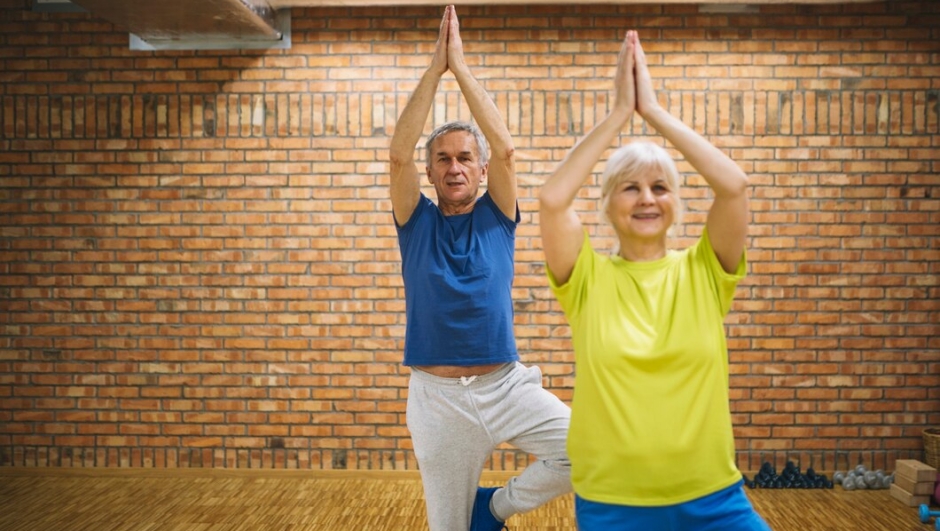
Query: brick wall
[198, 265]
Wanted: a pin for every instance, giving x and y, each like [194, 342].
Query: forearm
[485, 112]
[560, 190]
[411, 122]
[559, 223]
[723, 175]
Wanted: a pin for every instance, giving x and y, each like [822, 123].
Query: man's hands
[455, 58]
[439, 60]
[449, 52]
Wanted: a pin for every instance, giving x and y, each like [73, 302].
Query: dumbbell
[926, 513]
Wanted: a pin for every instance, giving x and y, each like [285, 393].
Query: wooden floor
[232, 500]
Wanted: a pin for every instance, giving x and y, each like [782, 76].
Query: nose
[646, 196]
[453, 166]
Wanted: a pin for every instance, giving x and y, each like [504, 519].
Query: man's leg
[451, 447]
[520, 411]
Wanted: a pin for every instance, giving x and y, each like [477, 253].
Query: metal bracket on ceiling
[181, 25]
[56, 6]
[729, 9]
[282, 22]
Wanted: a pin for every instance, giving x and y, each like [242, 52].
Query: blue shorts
[725, 510]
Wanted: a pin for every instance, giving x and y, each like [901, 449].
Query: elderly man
[468, 392]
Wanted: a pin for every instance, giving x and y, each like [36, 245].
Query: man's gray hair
[451, 127]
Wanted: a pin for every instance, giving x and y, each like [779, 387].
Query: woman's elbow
[742, 182]
[735, 186]
[550, 201]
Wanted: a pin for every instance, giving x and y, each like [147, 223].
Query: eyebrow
[657, 181]
[444, 153]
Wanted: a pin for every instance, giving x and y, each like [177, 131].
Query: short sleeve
[724, 283]
[572, 293]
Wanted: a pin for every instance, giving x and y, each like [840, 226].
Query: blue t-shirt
[458, 273]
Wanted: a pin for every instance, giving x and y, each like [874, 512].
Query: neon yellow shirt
[650, 420]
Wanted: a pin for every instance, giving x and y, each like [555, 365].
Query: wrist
[458, 67]
[621, 112]
[435, 71]
[651, 113]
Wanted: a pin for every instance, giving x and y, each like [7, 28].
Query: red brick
[172, 257]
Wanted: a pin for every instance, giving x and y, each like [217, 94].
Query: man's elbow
[506, 153]
[398, 158]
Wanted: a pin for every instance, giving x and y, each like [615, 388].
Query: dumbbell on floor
[791, 478]
[862, 478]
[926, 513]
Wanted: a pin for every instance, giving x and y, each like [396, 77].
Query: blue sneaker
[483, 519]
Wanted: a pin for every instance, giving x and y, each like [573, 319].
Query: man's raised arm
[405, 184]
[501, 174]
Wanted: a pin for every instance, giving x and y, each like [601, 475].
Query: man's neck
[455, 209]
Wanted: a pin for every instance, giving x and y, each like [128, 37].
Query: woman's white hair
[632, 160]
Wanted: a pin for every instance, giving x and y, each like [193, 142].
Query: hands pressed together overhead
[499, 169]
[449, 52]
[633, 86]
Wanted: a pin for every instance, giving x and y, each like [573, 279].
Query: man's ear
[485, 172]
[427, 171]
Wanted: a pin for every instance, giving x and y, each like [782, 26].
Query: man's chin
[457, 196]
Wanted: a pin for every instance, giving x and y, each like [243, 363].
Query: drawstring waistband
[464, 380]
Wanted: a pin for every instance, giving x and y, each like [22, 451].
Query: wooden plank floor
[232, 500]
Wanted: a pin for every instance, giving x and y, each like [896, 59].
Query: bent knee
[559, 466]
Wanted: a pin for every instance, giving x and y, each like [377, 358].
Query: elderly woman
[650, 442]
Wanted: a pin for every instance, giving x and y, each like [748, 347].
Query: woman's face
[643, 208]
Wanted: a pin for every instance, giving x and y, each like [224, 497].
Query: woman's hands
[633, 85]
[646, 102]
[625, 76]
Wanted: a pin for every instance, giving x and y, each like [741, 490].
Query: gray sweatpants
[455, 425]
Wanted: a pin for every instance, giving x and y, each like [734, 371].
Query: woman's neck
[642, 251]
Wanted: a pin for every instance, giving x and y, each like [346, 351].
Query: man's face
[455, 169]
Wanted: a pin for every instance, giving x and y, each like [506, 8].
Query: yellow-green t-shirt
[650, 419]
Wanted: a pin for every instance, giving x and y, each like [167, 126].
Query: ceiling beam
[161, 21]
[279, 4]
